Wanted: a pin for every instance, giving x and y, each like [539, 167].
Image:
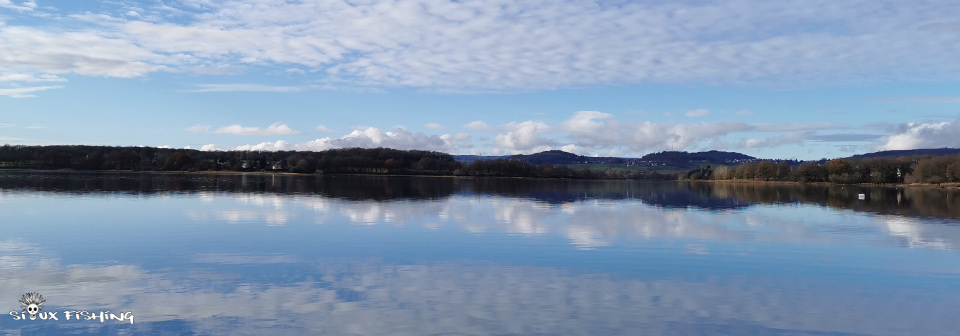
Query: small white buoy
[862, 196]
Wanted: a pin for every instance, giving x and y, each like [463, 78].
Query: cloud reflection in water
[469, 298]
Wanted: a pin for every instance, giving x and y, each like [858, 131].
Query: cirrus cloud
[26, 92]
[274, 129]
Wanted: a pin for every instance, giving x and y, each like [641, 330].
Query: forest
[917, 169]
[386, 161]
[383, 161]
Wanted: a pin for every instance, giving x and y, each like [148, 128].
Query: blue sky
[775, 79]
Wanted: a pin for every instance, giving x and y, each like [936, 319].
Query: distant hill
[676, 159]
[471, 158]
[551, 157]
[718, 157]
[558, 157]
[909, 152]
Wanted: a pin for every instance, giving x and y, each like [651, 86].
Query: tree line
[927, 169]
[333, 161]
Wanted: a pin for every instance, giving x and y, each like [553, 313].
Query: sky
[793, 79]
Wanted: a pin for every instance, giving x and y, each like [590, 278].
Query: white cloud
[92, 52]
[794, 127]
[590, 134]
[279, 145]
[317, 145]
[209, 147]
[398, 139]
[501, 45]
[16, 77]
[476, 125]
[593, 131]
[23, 6]
[434, 126]
[250, 88]
[525, 137]
[776, 141]
[584, 133]
[324, 129]
[199, 129]
[922, 135]
[697, 113]
[274, 129]
[25, 92]
[369, 137]
[583, 121]
[571, 148]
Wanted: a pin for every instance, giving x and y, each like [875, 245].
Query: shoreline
[945, 185]
[230, 172]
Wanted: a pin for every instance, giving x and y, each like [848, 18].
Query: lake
[202, 254]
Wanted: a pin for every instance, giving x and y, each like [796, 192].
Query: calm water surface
[352, 255]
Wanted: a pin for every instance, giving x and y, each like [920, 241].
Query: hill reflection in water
[200, 254]
[913, 202]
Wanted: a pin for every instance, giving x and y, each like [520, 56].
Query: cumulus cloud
[279, 145]
[399, 139]
[434, 126]
[922, 135]
[525, 137]
[317, 145]
[209, 147]
[596, 130]
[592, 131]
[584, 133]
[369, 137]
[571, 148]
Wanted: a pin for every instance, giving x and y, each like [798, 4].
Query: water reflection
[914, 202]
[589, 224]
[351, 255]
[469, 298]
